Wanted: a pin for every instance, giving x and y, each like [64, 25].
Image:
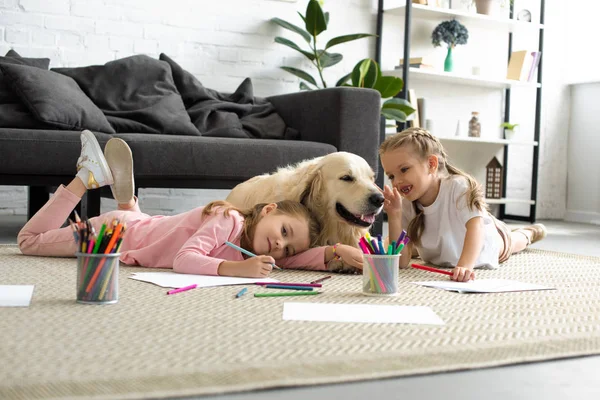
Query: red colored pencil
[425, 268]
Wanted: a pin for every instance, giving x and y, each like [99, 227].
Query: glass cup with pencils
[380, 267]
[97, 261]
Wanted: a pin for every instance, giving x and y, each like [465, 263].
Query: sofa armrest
[345, 117]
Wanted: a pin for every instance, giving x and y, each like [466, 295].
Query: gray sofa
[182, 134]
[329, 120]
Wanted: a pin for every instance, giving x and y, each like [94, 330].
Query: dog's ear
[313, 190]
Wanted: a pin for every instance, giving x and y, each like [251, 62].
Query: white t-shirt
[443, 238]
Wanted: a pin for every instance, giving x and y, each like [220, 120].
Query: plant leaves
[391, 113]
[330, 59]
[364, 73]
[398, 104]
[293, 28]
[294, 46]
[315, 19]
[304, 86]
[346, 38]
[388, 86]
[301, 16]
[300, 74]
[326, 18]
[343, 80]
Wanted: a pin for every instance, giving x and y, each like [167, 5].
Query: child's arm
[474, 238]
[393, 208]
[406, 255]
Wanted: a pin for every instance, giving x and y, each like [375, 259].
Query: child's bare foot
[92, 167]
[120, 160]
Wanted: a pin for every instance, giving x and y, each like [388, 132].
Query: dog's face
[345, 182]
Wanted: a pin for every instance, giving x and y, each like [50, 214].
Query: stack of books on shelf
[522, 65]
[416, 62]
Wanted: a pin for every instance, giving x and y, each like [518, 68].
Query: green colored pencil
[285, 294]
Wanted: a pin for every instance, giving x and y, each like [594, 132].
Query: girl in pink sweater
[192, 242]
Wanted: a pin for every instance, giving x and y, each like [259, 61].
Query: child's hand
[462, 274]
[350, 255]
[393, 200]
[255, 267]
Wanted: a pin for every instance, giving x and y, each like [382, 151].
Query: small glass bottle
[474, 125]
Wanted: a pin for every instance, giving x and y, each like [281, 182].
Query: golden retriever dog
[338, 188]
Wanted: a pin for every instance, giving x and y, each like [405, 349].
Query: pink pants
[42, 235]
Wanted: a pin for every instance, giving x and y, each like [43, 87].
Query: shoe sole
[120, 160]
[97, 150]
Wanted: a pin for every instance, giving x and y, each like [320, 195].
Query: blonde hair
[425, 144]
[252, 216]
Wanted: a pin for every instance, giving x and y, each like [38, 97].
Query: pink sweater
[189, 244]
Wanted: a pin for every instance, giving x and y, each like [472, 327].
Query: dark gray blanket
[238, 114]
[139, 94]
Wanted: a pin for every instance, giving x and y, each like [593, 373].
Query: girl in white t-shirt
[443, 209]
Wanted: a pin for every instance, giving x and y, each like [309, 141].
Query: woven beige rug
[205, 341]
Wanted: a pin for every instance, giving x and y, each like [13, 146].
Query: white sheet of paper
[15, 295]
[484, 286]
[369, 313]
[175, 280]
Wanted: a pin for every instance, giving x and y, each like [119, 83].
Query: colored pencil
[288, 287]
[246, 252]
[430, 269]
[289, 284]
[321, 279]
[241, 293]
[285, 294]
[182, 289]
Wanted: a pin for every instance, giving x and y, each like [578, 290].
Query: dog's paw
[341, 267]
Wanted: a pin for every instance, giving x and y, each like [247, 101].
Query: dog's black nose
[376, 199]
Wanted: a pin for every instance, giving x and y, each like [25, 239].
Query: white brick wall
[221, 43]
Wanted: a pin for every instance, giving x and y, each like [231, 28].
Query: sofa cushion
[13, 113]
[55, 99]
[156, 157]
[137, 94]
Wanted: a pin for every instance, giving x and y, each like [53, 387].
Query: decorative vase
[448, 62]
[484, 6]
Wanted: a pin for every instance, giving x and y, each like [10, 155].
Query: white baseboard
[586, 217]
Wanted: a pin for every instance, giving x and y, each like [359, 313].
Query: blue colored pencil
[246, 252]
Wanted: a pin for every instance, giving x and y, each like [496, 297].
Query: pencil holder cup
[97, 278]
[380, 274]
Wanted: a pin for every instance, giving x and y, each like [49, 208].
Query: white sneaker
[92, 168]
[120, 160]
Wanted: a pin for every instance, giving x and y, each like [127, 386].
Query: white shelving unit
[398, 7]
[458, 79]
[468, 153]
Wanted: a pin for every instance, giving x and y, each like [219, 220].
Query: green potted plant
[510, 130]
[452, 33]
[365, 74]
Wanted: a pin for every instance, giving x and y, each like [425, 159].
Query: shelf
[461, 79]
[398, 7]
[488, 141]
[507, 201]
[466, 139]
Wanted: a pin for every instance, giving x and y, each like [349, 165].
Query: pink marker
[182, 289]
